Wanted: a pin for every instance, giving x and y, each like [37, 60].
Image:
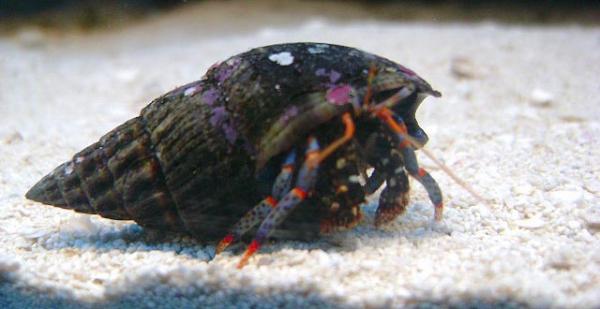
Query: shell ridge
[184, 149]
[72, 192]
[61, 186]
[104, 157]
[82, 185]
[161, 173]
[96, 182]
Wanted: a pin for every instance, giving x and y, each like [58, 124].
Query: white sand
[522, 128]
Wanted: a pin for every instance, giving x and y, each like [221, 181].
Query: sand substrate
[518, 121]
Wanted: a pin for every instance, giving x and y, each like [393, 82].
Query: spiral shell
[197, 158]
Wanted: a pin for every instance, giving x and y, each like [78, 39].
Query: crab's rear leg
[389, 168]
[397, 126]
[374, 181]
[394, 198]
[259, 212]
[305, 181]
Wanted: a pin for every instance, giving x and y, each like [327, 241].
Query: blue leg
[304, 184]
[258, 213]
[305, 181]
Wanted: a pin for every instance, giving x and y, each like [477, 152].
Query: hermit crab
[271, 142]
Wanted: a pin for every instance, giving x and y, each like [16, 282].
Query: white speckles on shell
[68, 169]
[282, 58]
[191, 91]
[318, 48]
[78, 159]
[354, 53]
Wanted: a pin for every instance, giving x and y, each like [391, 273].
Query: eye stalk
[404, 102]
[399, 91]
[390, 97]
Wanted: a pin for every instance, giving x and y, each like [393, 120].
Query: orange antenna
[445, 168]
[370, 77]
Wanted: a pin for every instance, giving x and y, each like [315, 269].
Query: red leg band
[300, 193]
[271, 201]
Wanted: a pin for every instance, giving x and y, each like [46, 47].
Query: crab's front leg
[406, 148]
[305, 181]
[304, 184]
[259, 212]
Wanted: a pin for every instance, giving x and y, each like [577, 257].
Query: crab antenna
[445, 168]
[370, 77]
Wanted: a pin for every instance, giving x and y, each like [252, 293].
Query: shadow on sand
[205, 291]
[161, 297]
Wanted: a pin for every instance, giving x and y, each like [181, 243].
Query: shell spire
[46, 191]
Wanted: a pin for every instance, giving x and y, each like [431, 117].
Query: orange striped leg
[259, 212]
[305, 182]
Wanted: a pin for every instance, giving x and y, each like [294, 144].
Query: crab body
[200, 157]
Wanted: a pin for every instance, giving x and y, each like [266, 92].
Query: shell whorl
[168, 169]
[118, 177]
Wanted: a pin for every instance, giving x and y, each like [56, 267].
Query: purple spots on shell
[210, 96]
[227, 69]
[219, 116]
[230, 133]
[333, 75]
[289, 113]
[339, 95]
